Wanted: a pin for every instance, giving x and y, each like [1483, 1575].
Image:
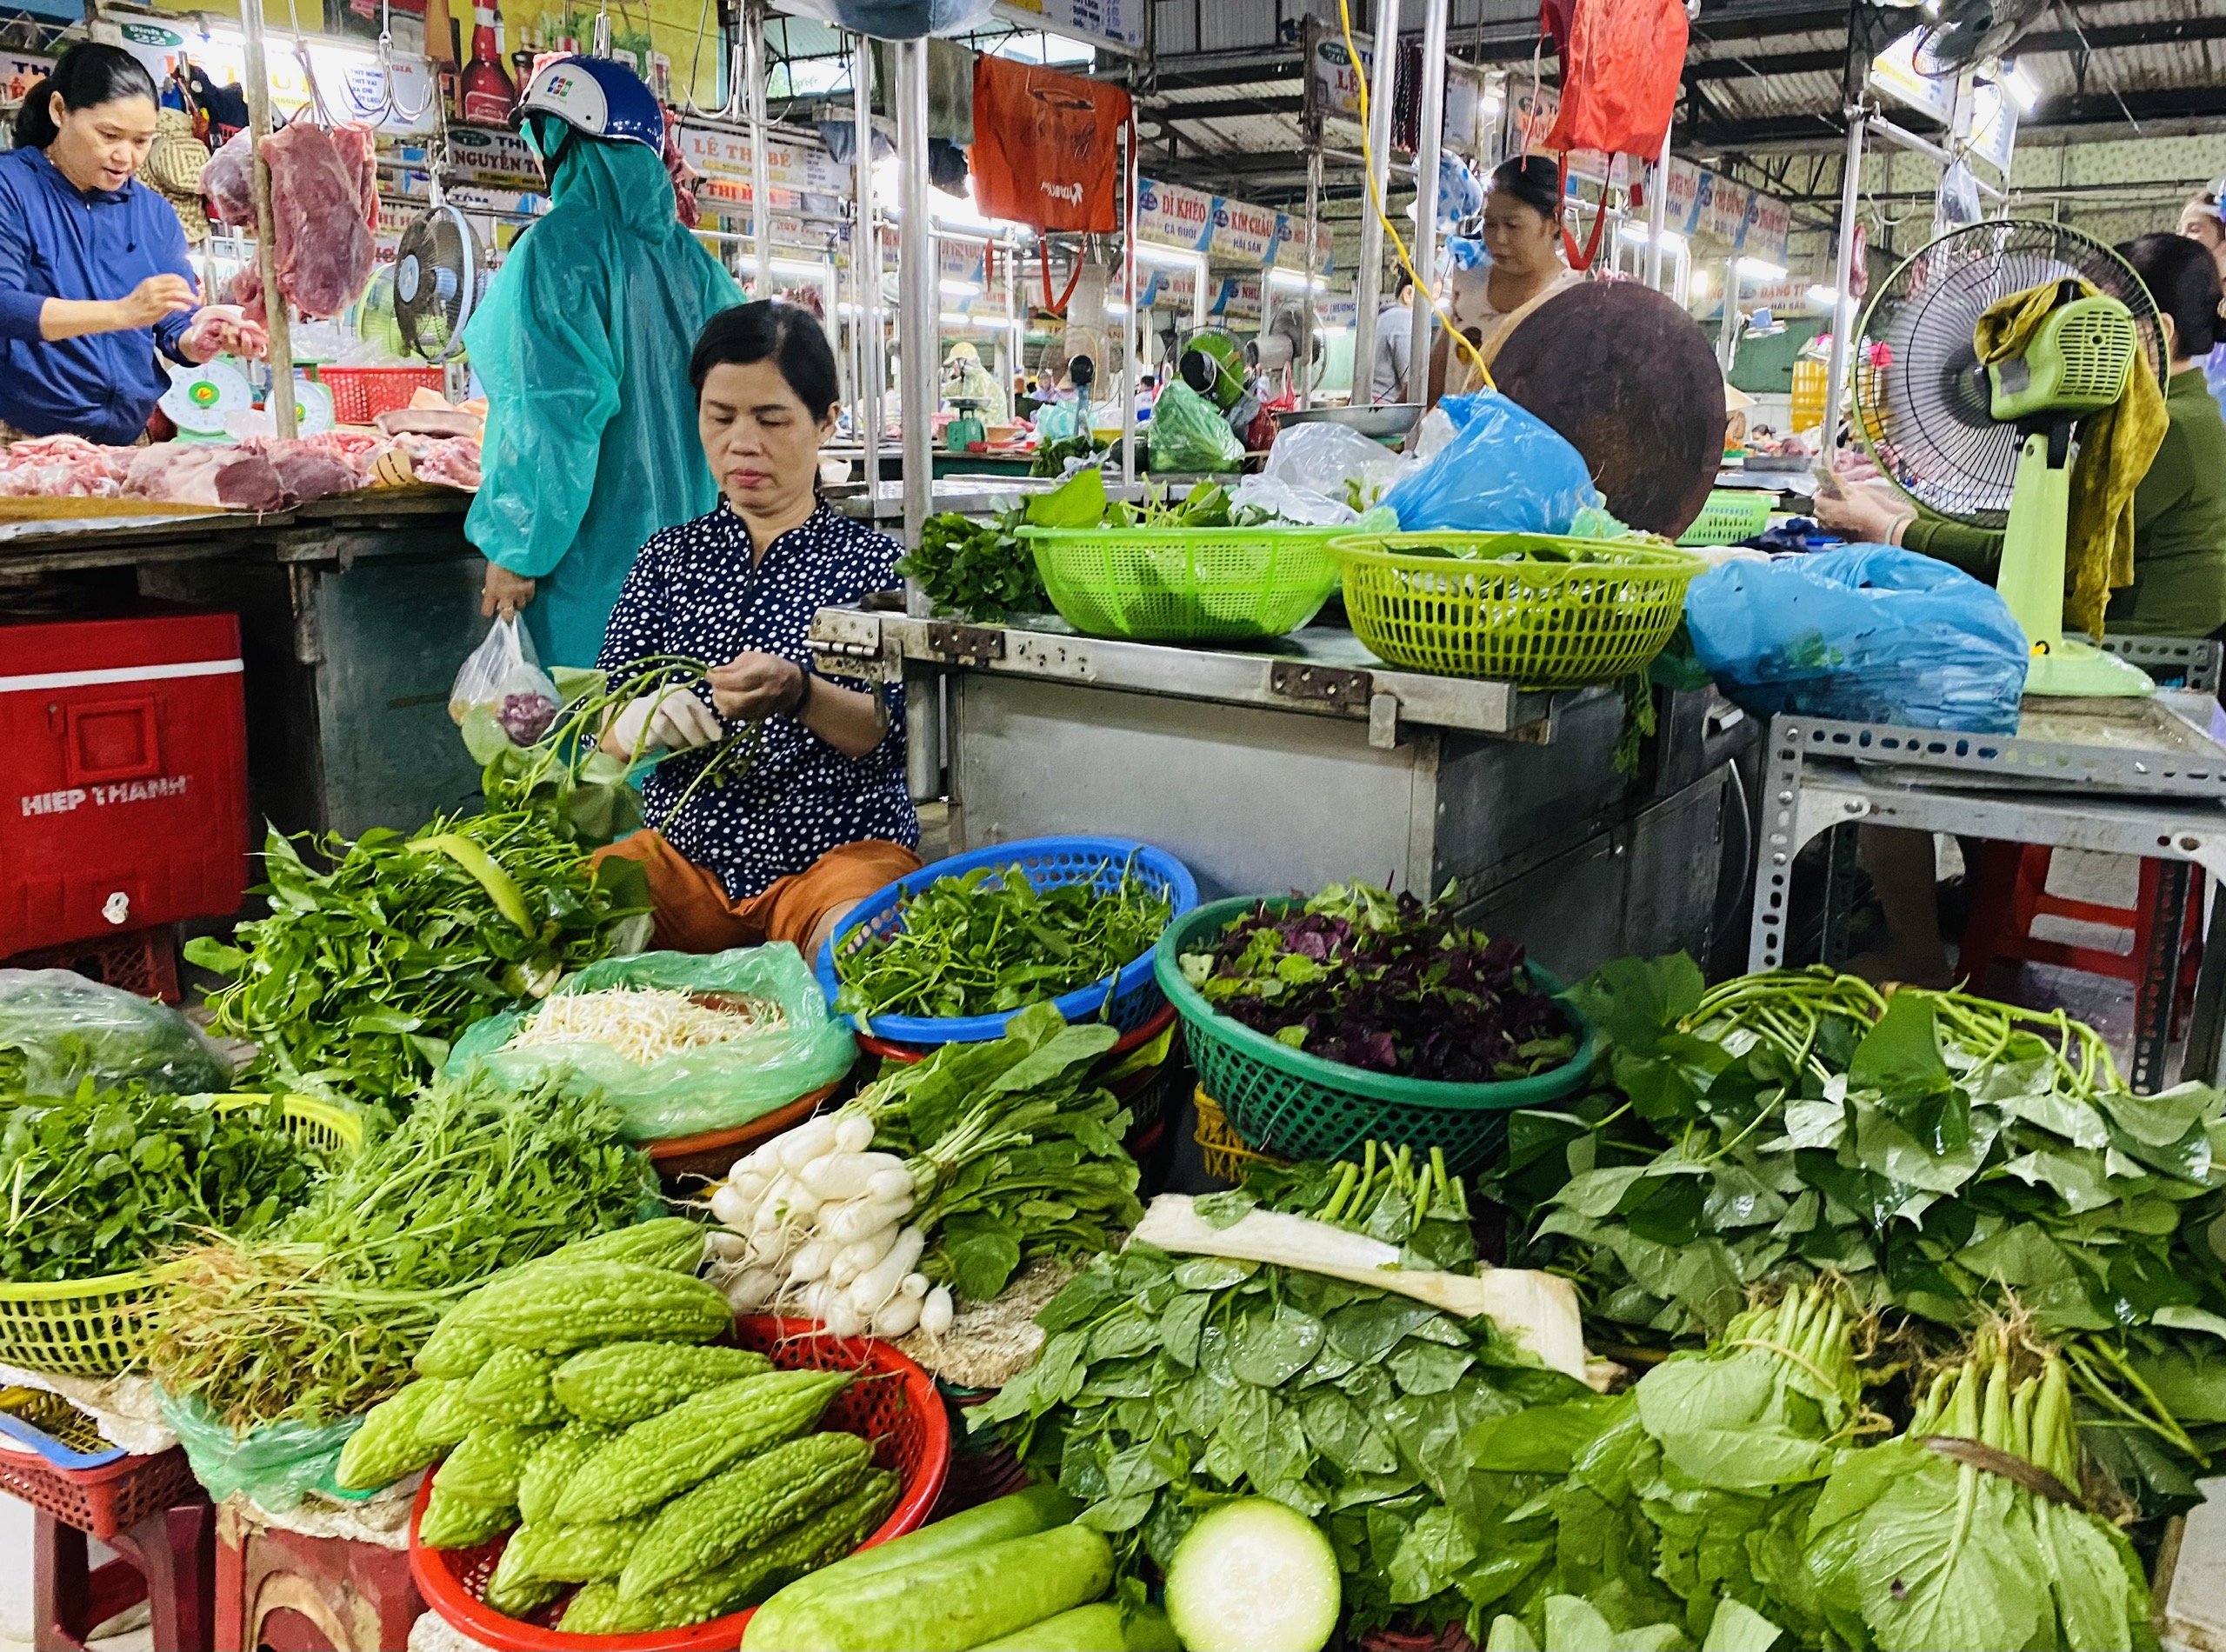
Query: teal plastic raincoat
[582, 347]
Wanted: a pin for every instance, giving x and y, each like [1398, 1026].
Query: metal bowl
[1378, 424]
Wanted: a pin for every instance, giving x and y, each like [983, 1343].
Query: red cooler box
[124, 748]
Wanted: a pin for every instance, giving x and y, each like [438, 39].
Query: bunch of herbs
[985, 571]
[1014, 1153]
[1384, 982]
[103, 1180]
[362, 977]
[319, 1317]
[988, 941]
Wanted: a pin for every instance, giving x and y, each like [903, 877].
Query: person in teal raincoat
[580, 345]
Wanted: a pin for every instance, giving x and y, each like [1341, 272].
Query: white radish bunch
[815, 1219]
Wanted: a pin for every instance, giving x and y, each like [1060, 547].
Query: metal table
[1307, 761]
[2169, 805]
[355, 612]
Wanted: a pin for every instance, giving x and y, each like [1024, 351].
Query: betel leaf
[1634, 1000]
[1900, 1057]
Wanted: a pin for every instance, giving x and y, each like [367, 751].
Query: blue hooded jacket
[582, 347]
[57, 240]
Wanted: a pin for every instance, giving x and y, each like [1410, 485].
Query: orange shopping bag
[1046, 149]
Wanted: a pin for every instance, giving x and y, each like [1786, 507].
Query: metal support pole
[1727, 333]
[266, 238]
[1368, 297]
[1128, 140]
[1657, 214]
[761, 187]
[1426, 148]
[915, 287]
[865, 271]
[1842, 281]
[1306, 314]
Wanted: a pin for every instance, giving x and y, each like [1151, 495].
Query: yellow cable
[1375, 200]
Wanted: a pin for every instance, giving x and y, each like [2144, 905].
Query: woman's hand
[1868, 513]
[154, 299]
[754, 687]
[221, 329]
[503, 590]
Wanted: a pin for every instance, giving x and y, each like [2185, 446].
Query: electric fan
[440, 275]
[1992, 446]
[1966, 32]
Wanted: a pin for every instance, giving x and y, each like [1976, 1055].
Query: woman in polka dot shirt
[823, 819]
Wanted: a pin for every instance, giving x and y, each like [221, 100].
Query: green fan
[1992, 445]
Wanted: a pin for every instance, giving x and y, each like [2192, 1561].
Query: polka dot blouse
[692, 591]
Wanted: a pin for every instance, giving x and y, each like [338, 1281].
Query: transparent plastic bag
[1505, 470]
[1335, 460]
[1870, 634]
[713, 1088]
[502, 680]
[1188, 433]
[1286, 503]
[58, 1028]
[275, 1465]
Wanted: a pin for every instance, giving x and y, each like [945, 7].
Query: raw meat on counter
[64, 467]
[250, 482]
[260, 475]
[179, 473]
[452, 461]
[429, 421]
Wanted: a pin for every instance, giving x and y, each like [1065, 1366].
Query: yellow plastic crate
[1535, 609]
[98, 1326]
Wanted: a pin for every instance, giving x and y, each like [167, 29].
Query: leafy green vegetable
[988, 940]
[1014, 1153]
[362, 977]
[58, 1029]
[102, 1181]
[1168, 1385]
[319, 1317]
[982, 570]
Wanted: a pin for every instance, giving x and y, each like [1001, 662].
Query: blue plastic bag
[1505, 470]
[1867, 633]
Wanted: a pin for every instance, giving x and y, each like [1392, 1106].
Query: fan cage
[1921, 399]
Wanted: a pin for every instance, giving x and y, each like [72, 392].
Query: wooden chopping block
[1628, 377]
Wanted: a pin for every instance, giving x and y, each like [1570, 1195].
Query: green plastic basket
[1186, 584]
[98, 1326]
[1284, 1102]
[1730, 516]
[1565, 613]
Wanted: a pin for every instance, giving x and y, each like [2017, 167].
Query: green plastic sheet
[716, 1088]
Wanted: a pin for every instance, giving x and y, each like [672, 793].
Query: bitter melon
[488, 1463]
[388, 1445]
[458, 1523]
[742, 1507]
[554, 1310]
[548, 1469]
[623, 1384]
[513, 1386]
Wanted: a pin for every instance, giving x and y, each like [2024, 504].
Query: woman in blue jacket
[94, 278]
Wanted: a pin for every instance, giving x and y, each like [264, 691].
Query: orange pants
[693, 913]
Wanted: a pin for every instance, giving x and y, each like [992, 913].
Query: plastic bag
[1285, 502]
[1868, 634]
[896, 19]
[1330, 459]
[1505, 470]
[275, 1465]
[502, 679]
[58, 1028]
[715, 1087]
[1188, 433]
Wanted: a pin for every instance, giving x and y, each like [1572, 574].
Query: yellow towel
[2116, 446]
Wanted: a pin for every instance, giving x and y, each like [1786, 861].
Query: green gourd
[388, 1445]
[513, 1386]
[577, 1553]
[489, 1462]
[622, 1383]
[548, 1468]
[743, 1508]
[554, 1310]
[454, 1350]
[458, 1523]
[658, 1459]
[511, 1590]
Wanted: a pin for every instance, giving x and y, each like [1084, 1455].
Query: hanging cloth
[1621, 61]
[1046, 146]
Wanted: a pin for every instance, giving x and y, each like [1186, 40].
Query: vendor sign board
[1893, 72]
[348, 76]
[791, 164]
[1236, 300]
[1244, 231]
[20, 71]
[1160, 287]
[1116, 24]
[1290, 244]
[1174, 217]
[1337, 75]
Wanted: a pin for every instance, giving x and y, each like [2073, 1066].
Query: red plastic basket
[711, 1154]
[894, 1404]
[114, 1497]
[361, 394]
[141, 961]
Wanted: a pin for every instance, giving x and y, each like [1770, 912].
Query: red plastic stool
[293, 1593]
[2011, 891]
[141, 961]
[151, 1511]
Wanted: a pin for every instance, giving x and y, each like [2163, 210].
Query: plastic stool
[294, 1593]
[151, 1513]
[2011, 891]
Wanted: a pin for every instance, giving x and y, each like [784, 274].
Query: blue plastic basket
[1126, 1000]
